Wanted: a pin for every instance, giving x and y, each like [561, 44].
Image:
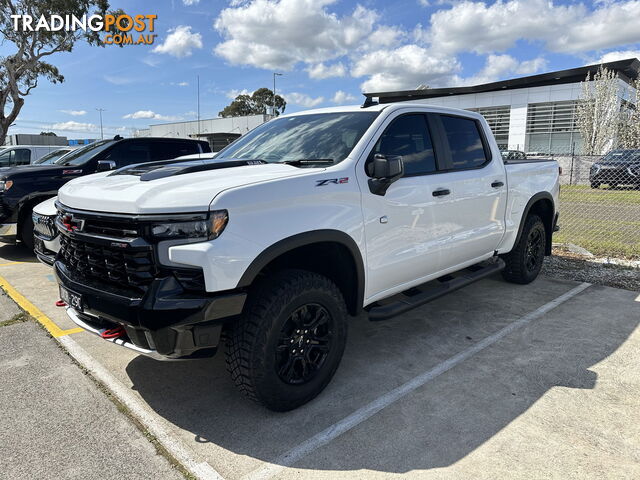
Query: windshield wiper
[308, 161]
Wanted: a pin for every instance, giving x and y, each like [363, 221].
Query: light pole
[101, 110]
[273, 105]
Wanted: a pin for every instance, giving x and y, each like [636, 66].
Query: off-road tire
[517, 268]
[26, 231]
[251, 342]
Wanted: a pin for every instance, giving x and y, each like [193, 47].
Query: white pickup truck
[311, 218]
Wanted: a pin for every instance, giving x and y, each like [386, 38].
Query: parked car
[513, 155]
[297, 225]
[46, 238]
[21, 188]
[618, 167]
[52, 156]
[17, 155]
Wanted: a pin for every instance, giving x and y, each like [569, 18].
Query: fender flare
[525, 213]
[300, 240]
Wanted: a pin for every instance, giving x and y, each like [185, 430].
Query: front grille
[44, 226]
[124, 268]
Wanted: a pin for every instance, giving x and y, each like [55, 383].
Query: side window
[6, 159]
[128, 153]
[408, 136]
[465, 142]
[22, 156]
[166, 150]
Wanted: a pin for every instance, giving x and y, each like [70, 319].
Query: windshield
[49, 158]
[322, 136]
[84, 154]
[622, 156]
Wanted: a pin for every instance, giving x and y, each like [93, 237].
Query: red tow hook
[60, 303]
[116, 332]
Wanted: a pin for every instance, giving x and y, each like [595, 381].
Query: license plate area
[74, 300]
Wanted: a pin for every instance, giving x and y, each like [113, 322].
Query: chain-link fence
[600, 202]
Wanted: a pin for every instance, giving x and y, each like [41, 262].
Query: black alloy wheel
[535, 250]
[304, 344]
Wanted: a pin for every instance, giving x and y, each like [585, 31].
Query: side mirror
[385, 170]
[105, 165]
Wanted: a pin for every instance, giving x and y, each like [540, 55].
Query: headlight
[634, 170]
[5, 185]
[207, 229]
[595, 167]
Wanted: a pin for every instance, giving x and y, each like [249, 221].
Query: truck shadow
[16, 253]
[436, 425]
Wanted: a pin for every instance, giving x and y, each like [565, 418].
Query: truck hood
[129, 192]
[32, 171]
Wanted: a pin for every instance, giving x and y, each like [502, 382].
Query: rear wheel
[524, 262]
[287, 346]
[26, 231]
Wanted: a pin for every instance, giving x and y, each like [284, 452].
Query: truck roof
[385, 106]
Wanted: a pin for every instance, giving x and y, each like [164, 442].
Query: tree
[629, 134]
[20, 72]
[48, 134]
[255, 104]
[598, 112]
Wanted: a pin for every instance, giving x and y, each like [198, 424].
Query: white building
[219, 132]
[534, 114]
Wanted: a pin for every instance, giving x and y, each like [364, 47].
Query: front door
[403, 231]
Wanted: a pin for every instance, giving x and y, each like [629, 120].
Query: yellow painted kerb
[35, 312]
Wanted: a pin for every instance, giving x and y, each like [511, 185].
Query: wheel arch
[541, 204]
[332, 253]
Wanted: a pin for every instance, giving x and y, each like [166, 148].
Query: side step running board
[427, 292]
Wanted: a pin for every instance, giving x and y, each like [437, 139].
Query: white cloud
[404, 68]
[179, 84]
[74, 126]
[499, 67]
[341, 98]
[190, 2]
[151, 115]
[483, 28]
[320, 70]
[180, 42]
[278, 34]
[529, 67]
[303, 99]
[119, 80]
[75, 113]
[619, 55]
[233, 93]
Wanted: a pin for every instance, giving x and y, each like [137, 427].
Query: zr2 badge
[335, 181]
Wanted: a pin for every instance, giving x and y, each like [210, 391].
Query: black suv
[618, 167]
[21, 188]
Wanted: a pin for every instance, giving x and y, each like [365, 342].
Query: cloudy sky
[329, 52]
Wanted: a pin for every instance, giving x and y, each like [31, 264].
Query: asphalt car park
[495, 380]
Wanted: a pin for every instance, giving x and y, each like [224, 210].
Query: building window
[498, 119]
[552, 128]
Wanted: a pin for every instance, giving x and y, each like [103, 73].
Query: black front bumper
[614, 175]
[166, 319]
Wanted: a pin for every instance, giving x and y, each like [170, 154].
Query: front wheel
[289, 342]
[524, 262]
[595, 185]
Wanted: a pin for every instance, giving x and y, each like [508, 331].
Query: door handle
[441, 192]
[497, 184]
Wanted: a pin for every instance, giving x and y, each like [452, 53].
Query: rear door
[474, 209]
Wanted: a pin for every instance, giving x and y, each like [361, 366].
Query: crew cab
[295, 227]
[21, 188]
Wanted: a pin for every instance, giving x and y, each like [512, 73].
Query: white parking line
[366, 412]
[180, 452]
